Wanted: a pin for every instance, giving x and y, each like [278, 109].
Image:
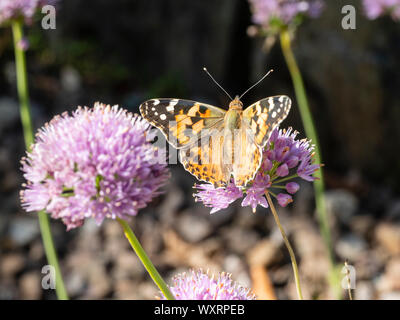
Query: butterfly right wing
[181, 121]
[262, 117]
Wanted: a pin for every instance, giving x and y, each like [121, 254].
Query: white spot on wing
[163, 117]
[170, 107]
[156, 102]
[273, 114]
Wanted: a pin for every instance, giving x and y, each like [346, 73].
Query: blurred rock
[30, 285]
[235, 265]
[8, 290]
[264, 253]
[390, 280]
[388, 236]
[70, 79]
[75, 284]
[193, 228]
[369, 264]
[169, 207]
[11, 263]
[364, 291]
[394, 210]
[240, 240]
[307, 240]
[9, 112]
[261, 283]
[395, 295]
[99, 282]
[151, 235]
[24, 230]
[362, 224]
[36, 251]
[341, 204]
[128, 265]
[350, 247]
[125, 289]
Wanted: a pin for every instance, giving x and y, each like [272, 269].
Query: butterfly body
[216, 144]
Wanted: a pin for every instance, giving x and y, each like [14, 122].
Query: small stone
[36, 251]
[388, 236]
[234, 265]
[173, 200]
[342, 204]
[11, 264]
[70, 79]
[266, 252]
[99, 282]
[9, 112]
[350, 247]
[75, 284]
[364, 291]
[395, 295]
[30, 286]
[193, 228]
[24, 230]
[240, 240]
[128, 265]
[394, 210]
[362, 224]
[8, 290]
[126, 289]
[390, 280]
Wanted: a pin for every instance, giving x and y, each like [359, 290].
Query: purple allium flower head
[98, 163]
[198, 285]
[284, 158]
[265, 11]
[13, 9]
[375, 8]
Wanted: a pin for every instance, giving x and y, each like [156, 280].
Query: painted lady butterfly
[215, 144]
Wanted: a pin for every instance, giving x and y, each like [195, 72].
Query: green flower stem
[51, 254]
[137, 247]
[311, 133]
[23, 94]
[288, 246]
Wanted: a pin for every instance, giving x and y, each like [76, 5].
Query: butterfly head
[236, 104]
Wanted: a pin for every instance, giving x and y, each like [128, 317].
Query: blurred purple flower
[264, 11]
[375, 8]
[284, 158]
[198, 285]
[13, 9]
[23, 44]
[96, 163]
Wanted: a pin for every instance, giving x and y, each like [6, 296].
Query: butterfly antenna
[204, 68]
[256, 83]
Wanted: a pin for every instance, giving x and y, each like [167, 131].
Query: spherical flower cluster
[284, 158]
[97, 163]
[283, 12]
[375, 8]
[14, 9]
[199, 285]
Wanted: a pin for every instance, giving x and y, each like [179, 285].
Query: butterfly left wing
[262, 117]
[204, 158]
[181, 120]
